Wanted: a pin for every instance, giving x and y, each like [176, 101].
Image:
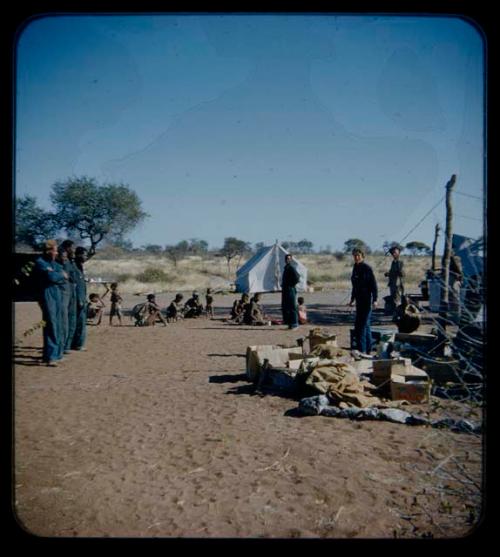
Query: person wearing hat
[395, 275]
[193, 307]
[51, 278]
[364, 293]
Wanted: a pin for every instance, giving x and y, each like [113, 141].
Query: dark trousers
[289, 307]
[362, 330]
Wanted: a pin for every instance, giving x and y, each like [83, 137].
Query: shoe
[51, 363]
[293, 327]
[82, 349]
[67, 352]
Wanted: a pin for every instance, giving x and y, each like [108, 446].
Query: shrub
[151, 274]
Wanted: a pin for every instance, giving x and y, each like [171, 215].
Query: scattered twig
[275, 464]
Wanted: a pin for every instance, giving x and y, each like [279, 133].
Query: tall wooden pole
[447, 245]
[436, 235]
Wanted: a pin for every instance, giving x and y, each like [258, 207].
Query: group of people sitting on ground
[149, 313]
[249, 311]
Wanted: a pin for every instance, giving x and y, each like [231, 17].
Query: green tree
[96, 211]
[233, 248]
[177, 252]
[153, 248]
[197, 247]
[418, 248]
[33, 225]
[305, 246]
[353, 243]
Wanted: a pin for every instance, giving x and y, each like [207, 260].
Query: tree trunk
[445, 273]
[436, 234]
[447, 244]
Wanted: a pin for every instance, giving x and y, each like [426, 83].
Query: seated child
[302, 310]
[238, 309]
[95, 308]
[193, 307]
[152, 312]
[253, 312]
[175, 309]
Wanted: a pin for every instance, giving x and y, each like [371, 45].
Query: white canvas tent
[263, 271]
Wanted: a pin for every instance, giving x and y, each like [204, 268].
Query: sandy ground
[155, 432]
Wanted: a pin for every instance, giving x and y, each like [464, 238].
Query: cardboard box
[277, 356]
[412, 390]
[383, 370]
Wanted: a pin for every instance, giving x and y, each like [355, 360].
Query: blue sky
[262, 126]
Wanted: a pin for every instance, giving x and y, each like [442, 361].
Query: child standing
[209, 308]
[302, 309]
[116, 301]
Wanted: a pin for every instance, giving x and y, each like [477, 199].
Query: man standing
[289, 293]
[80, 335]
[364, 293]
[68, 246]
[395, 275]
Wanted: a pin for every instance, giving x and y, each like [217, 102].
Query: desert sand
[156, 432]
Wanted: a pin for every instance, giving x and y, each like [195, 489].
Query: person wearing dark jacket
[70, 308]
[364, 293]
[289, 282]
[80, 335]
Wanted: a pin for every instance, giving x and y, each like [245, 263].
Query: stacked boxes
[384, 369]
[277, 356]
[406, 381]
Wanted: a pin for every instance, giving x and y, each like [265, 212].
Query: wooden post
[445, 272]
[445, 275]
[436, 234]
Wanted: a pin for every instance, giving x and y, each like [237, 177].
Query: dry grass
[195, 272]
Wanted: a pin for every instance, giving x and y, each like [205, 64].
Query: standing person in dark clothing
[289, 293]
[69, 266]
[81, 301]
[66, 293]
[364, 293]
[51, 278]
[395, 275]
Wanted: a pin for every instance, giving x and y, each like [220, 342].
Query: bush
[320, 277]
[123, 277]
[151, 274]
